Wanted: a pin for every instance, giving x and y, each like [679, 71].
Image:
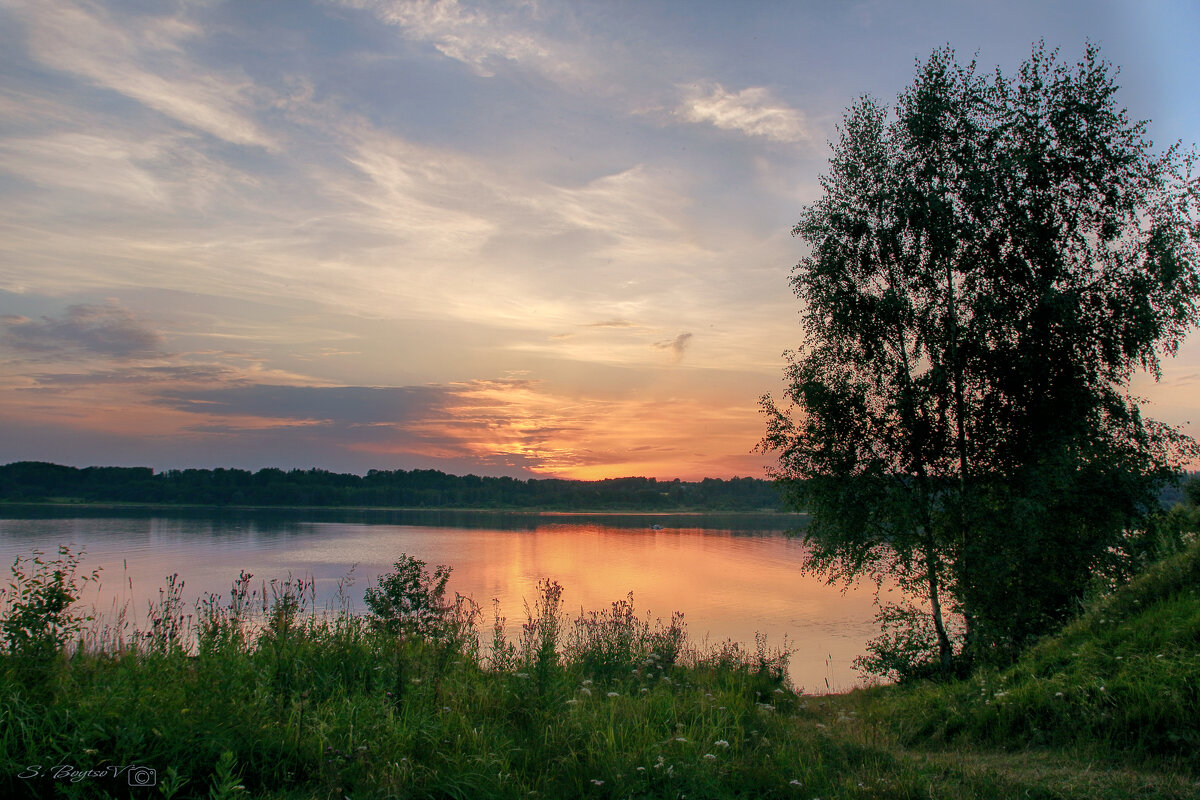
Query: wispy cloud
[611, 323]
[143, 58]
[142, 376]
[752, 111]
[481, 38]
[97, 165]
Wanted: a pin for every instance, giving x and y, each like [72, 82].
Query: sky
[538, 239]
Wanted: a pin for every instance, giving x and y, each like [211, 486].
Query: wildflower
[572, 701]
[794, 782]
[720, 743]
[597, 782]
[1058, 694]
[644, 690]
[641, 769]
[680, 739]
[709, 756]
[522, 675]
[614, 694]
[586, 691]
[587, 682]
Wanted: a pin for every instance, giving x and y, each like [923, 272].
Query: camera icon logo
[143, 776]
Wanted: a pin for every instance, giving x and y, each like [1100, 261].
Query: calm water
[731, 576]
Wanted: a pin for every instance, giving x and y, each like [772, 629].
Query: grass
[255, 696]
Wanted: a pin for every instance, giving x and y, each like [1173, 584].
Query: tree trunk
[945, 650]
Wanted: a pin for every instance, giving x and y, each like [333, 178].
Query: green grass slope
[1120, 685]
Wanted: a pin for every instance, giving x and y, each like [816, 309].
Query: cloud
[139, 376]
[480, 39]
[752, 111]
[143, 59]
[103, 166]
[106, 330]
[677, 345]
[353, 405]
[611, 323]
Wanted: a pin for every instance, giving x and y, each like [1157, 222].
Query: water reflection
[730, 582]
[267, 518]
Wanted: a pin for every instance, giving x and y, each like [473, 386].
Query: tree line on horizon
[37, 481]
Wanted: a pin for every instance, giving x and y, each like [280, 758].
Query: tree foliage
[991, 262]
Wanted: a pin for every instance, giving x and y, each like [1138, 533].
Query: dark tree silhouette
[990, 264]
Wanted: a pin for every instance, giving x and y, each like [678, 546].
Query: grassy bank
[221, 700]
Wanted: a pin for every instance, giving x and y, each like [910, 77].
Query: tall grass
[252, 693]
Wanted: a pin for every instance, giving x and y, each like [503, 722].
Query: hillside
[1106, 708]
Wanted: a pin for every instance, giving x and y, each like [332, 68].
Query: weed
[37, 618]
[268, 698]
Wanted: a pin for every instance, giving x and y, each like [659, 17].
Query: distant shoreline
[95, 505]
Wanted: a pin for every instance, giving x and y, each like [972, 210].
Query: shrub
[410, 601]
[36, 616]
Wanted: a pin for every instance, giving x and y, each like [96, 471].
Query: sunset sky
[525, 238]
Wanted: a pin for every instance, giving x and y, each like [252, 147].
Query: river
[732, 576]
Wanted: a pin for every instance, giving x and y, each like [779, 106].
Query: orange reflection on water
[728, 586]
